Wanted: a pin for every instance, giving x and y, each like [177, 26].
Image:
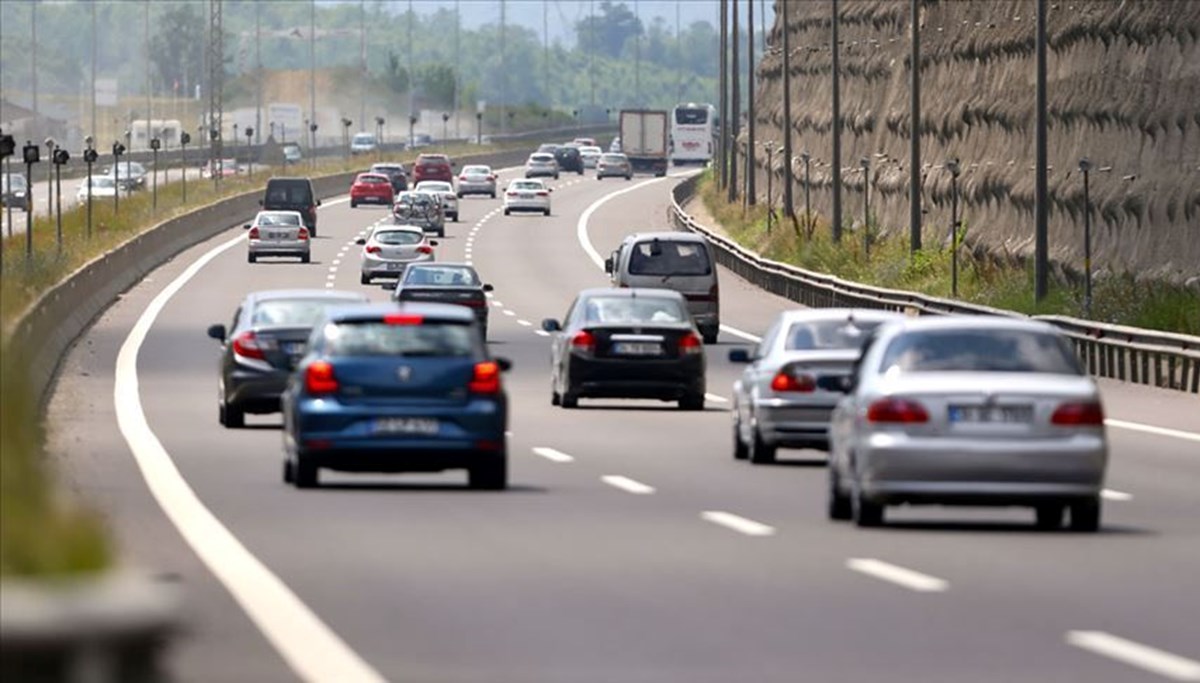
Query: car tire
[867, 513]
[692, 402]
[1085, 515]
[710, 336]
[760, 452]
[312, 231]
[507, 212]
[491, 475]
[304, 474]
[460, 195]
[1049, 516]
[289, 474]
[364, 279]
[442, 232]
[353, 204]
[569, 399]
[740, 450]
[840, 507]
[251, 258]
[546, 212]
[555, 397]
[628, 177]
[493, 195]
[307, 258]
[230, 417]
[455, 216]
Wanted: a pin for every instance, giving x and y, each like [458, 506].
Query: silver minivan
[672, 260]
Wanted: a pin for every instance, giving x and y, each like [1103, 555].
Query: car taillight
[372, 249]
[303, 235]
[510, 194]
[690, 344]
[247, 345]
[897, 410]
[319, 378]
[486, 378]
[403, 319]
[312, 212]
[714, 293]
[424, 249]
[785, 381]
[491, 177]
[1078, 414]
[583, 341]
[254, 233]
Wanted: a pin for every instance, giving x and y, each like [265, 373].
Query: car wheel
[442, 232]
[740, 450]
[710, 336]
[493, 195]
[307, 258]
[692, 402]
[1085, 515]
[455, 216]
[353, 204]
[546, 212]
[760, 452]
[507, 212]
[867, 513]
[841, 508]
[289, 474]
[569, 399]
[230, 416]
[312, 231]
[364, 279]
[580, 171]
[555, 397]
[251, 258]
[1049, 516]
[460, 195]
[491, 475]
[304, 473]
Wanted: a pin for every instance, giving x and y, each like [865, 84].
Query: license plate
[276, 235]
[991, 414]
[293, 348]
[526, 195]
[395, 265]
[405, 425]
[637, 349]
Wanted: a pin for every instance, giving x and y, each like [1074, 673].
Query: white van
[672, 260]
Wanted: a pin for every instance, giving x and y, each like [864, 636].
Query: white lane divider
[1136, 654]
[715, 398]
[912, 580]
[628, 485]
[305, 642]
[508, 312]
[524, 323]
[552, 455]
[1150, 429]
[737, 523]
[1113, 494]
[542, 333]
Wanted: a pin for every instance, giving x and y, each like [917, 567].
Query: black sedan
[269, 334]
[446, 283]
[627, 343]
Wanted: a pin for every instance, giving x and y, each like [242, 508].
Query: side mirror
[246, 226]
[551, 325]
[318, 202]
[845, 384]
[360, 241]
[260, 202]
[504, 363]
[433, 243]
[739, 356]
[390, 285]
[489, 288]
[608, 265]
[217, 332]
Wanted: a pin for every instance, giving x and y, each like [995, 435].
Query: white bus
[694, 129]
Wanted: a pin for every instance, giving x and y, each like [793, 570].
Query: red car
[371, 188]
[433, 167]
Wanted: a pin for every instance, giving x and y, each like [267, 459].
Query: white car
[363, 143]
[446, 192]
[590, 155]
[278, 233]
[389, 250]
[103, 187]
[527, 194]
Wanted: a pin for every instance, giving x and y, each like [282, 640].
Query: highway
[630, 546]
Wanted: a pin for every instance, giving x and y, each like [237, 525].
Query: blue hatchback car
[397, 388]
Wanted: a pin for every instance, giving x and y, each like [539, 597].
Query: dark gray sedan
[445, 283]
[269, 333]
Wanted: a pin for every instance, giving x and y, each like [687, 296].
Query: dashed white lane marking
[1135, 654]
[737, 523]
[333, 269]
[489, 295]
[542, 333]
[628, 485]
[524, 323]
[900, 576]
[469, 262]
[306, 643]
[716, 399]
[497, 304]
[1113, 494]
[1150, 429]
[508, 312]
[552, 455]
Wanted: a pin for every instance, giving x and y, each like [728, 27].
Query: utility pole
[914, 134]
[789, 209]
[750, 148]
[92, 132]
[736, 114]
[837, 131]
[592, 48]
[362, 72]
[1041, 261]
[546, 48]
[678, 57]
[722, 160]
[149, 88]
[33, 70]
[457, 70]
[503, 76]
[216, 73]
[312, 78]
[412, 79]
[637, 57]
[258, 75]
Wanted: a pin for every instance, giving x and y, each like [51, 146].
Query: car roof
[397, 228]
[288, 181]
[541, 155]
[815, 314]
[433, 157]
[387, 167]
[972, 322]
[666, 236]
[449, 312]
[369, 174]
[630, 293]
[331, 294]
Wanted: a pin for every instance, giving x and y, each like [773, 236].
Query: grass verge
[1001, 283]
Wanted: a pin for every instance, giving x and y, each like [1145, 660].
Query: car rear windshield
[278, 219]
[360, 138]
[376, 179]
[828, 334]
[613, 158]
[527, 185]
[666, 257]
[439, 339]
[476, 170]
[691, 116]
[542, 158]
[418, 199]
[441, 276]
[290, 193]
[433, 159]
[398, 237]
[623, 309]
[291, 312]
[983, 350]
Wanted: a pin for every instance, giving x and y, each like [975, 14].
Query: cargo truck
[644, 140]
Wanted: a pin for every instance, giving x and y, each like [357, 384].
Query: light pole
[249, 132]
[479, 128]
[1085, 167]
[346, 123]
[117, 150]
[155, 143]
[312, 130]
[412, 122]
[445, 120]
[865, 164]
[808, 217]
[214, 163]
[1041, 258]
[89, 157]
[379, 121]
[31, 155]
[7, 147]
[914, 132]
[184, 139]
[51, 145]
[769, 148]
[61, 156]
[235, 149]
[835, 49]
[955, 170]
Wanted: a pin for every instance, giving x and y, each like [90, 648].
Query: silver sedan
[793, 380]
[969, 410]
[389, 250]
[278, 233]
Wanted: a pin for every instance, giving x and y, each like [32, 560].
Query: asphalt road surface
[630, 547]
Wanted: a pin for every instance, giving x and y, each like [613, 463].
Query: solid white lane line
[900, 576]
[737, 523]
[542, 333]
[524, 323]
[1135, 654]
[628, 485]
[306, 643]
[715, 398]
[552, 455]
[1113, 494]
[1150, 429]
[741, 333]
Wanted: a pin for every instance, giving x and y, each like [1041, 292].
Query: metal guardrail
[1129, 354]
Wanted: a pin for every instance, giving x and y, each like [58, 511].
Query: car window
[542, 158]
[667, 257]
[768, 341]
[441, 275]
[613, 158]
[398, 237]
[438, 339]
[476, 170]
[373, 179]
[984, 350]
[527, 185]
[288, 194]
[828, 334]
[633, 310]
[278, 219]
[290, 312]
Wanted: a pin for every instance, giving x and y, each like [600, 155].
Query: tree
[435, 82]
[607, 32]
[177, 47]
[396, 76]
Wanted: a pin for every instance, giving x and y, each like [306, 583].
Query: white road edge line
[1113, 494]
[1135, 654]
[737, 523]
[715, 398]
[912, 580]
[552, 455]
[1150, 429]
[305, 642]
[628, 485]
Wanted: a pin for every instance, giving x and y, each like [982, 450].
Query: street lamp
[89, 157]
[235, 148]
[128, 146]
[379, 121]
[31, 155]
[184, 139]
[346, 123]
[809, 223]
[216, 168]
[155, 144]
[51, 145]
[61, 156]
[479, 128]
[445, 121]
[1085, 167]
[769, 148]
[412, 121]
[117, 150]
[865, 164]
[954, 168]
[7, 146]
[249, 132]
[312, 129]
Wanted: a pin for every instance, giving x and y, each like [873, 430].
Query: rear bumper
[290, 248]
[540, 173]
[371, 199]
[526, 205]
[372, 267]
[465, 188]
[792, 424]
[618, 378]
[255, 392]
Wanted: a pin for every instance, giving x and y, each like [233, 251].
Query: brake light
[372, 249]
[897, 410]
[510, 194]
[312, 212]
[424, 249]
[462, 177]
[247, 345]
[491, 177]
[486, 378]
[714, 292]
[303, 234]
[690, 344]
[254, 233]
[319, 378]
[403, 319]
[785, 381]
[1078, 415]
[543, 193]
[583, 341]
